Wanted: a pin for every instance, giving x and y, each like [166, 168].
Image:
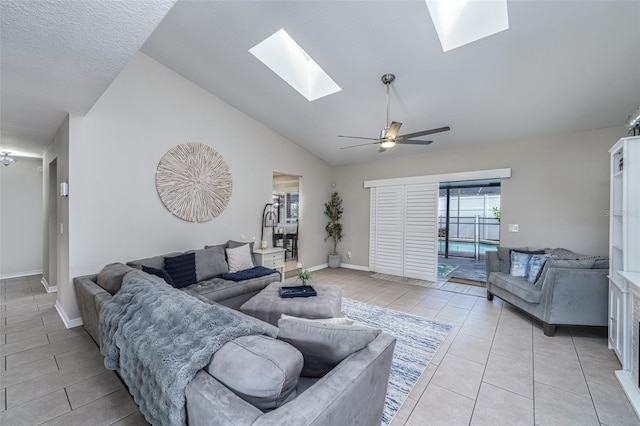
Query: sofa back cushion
[234, 244]
[210, 262]
[152, 262]
[239, 258]
[259, 369]
[110, 278]
[323, 345]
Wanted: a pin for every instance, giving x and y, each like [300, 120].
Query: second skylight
[286, 58]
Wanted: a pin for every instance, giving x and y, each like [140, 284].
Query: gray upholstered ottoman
[268, 305]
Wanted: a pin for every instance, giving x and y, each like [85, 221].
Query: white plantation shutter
[386, 224]
[403, 230]
[420, 231]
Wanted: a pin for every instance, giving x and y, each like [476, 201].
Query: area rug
[466, 281]
[445, 269]
[417, 341]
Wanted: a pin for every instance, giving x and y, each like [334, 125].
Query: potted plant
[304, 275]
[333, 209]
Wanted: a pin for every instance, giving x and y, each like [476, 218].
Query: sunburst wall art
[194, 182]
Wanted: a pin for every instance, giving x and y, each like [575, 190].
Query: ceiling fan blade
[392, 132]
[362, 144]
[424, 132]
[358, 137]
[415, 142]
[382, 149]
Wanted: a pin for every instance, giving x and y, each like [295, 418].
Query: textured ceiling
[58, 57]
[563, 66]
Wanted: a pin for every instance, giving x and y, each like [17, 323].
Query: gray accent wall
[558, 193]
[115, 213]
[21, 218]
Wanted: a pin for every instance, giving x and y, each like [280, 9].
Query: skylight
[286, 58]
[459, 22]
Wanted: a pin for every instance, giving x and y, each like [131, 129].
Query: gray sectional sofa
[259, 379]
[570, 289]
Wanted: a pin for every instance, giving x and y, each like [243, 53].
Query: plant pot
[334, 261]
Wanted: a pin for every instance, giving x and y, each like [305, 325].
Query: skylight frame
[460, 22]
[285, 57]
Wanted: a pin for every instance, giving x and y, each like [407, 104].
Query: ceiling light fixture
[6, 160]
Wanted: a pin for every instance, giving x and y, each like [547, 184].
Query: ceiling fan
[389, 135]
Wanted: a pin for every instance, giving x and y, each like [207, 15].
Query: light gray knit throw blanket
[160, 337]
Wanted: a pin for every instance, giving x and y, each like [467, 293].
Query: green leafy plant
[496, 213]
[304, 275]
[333, 209]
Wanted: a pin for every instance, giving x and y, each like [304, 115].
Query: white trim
[318, 267]
[630, 389]
[68, 322]
[20, 274]
[446, 177]
[356, 267]
[48, 289]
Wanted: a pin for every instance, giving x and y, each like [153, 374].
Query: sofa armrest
[90, 298]
[575, 296]
[353, 393]
[210, 403]
[492, 262]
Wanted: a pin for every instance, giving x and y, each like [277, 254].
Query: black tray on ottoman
[297, 291]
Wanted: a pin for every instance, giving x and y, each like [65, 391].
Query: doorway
[287, 202]
[50, 274]
[468, 227]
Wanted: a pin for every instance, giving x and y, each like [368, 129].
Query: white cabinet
[271, 258]
[624, 262]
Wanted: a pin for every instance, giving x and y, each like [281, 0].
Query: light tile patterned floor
[495, 368]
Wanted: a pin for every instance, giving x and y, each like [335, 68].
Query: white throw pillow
[239, 258]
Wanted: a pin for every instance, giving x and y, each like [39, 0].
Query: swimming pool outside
[466, 246]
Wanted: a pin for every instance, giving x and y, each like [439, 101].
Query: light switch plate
[513, 227]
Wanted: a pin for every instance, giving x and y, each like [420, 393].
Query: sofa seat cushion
[110, 278]
[218, 289]
[518, 286]
[259, 369]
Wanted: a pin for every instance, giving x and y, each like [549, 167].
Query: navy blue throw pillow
[182, 269]
[159, 273]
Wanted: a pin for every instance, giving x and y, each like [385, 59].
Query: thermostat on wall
[64, 189]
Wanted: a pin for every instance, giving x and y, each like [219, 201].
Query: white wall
[558, 192]
[115, 213]
[21, 218]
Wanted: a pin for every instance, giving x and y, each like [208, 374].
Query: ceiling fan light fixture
[388, 144]
[6, 160]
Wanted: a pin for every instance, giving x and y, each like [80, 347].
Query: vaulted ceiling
[562, 66]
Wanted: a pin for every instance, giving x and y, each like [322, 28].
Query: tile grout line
[593, 403]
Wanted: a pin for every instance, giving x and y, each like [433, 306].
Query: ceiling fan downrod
[387, 79]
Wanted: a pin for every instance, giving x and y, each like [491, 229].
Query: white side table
[271, 258]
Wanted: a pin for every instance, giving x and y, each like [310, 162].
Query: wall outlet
[513, 227]
[61, 228]
[349, 254]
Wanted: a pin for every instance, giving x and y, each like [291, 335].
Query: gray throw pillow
[323, 345]
[210, 262]
[235, 244]
[110, 278]
[259, 369]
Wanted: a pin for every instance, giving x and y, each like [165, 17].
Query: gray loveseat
[259, 380]
[571, 289]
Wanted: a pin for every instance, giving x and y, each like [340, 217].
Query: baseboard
[317, 267]
[68, 322]
[356, 267]
[47, 287]
[20, 274]
[630, 389]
